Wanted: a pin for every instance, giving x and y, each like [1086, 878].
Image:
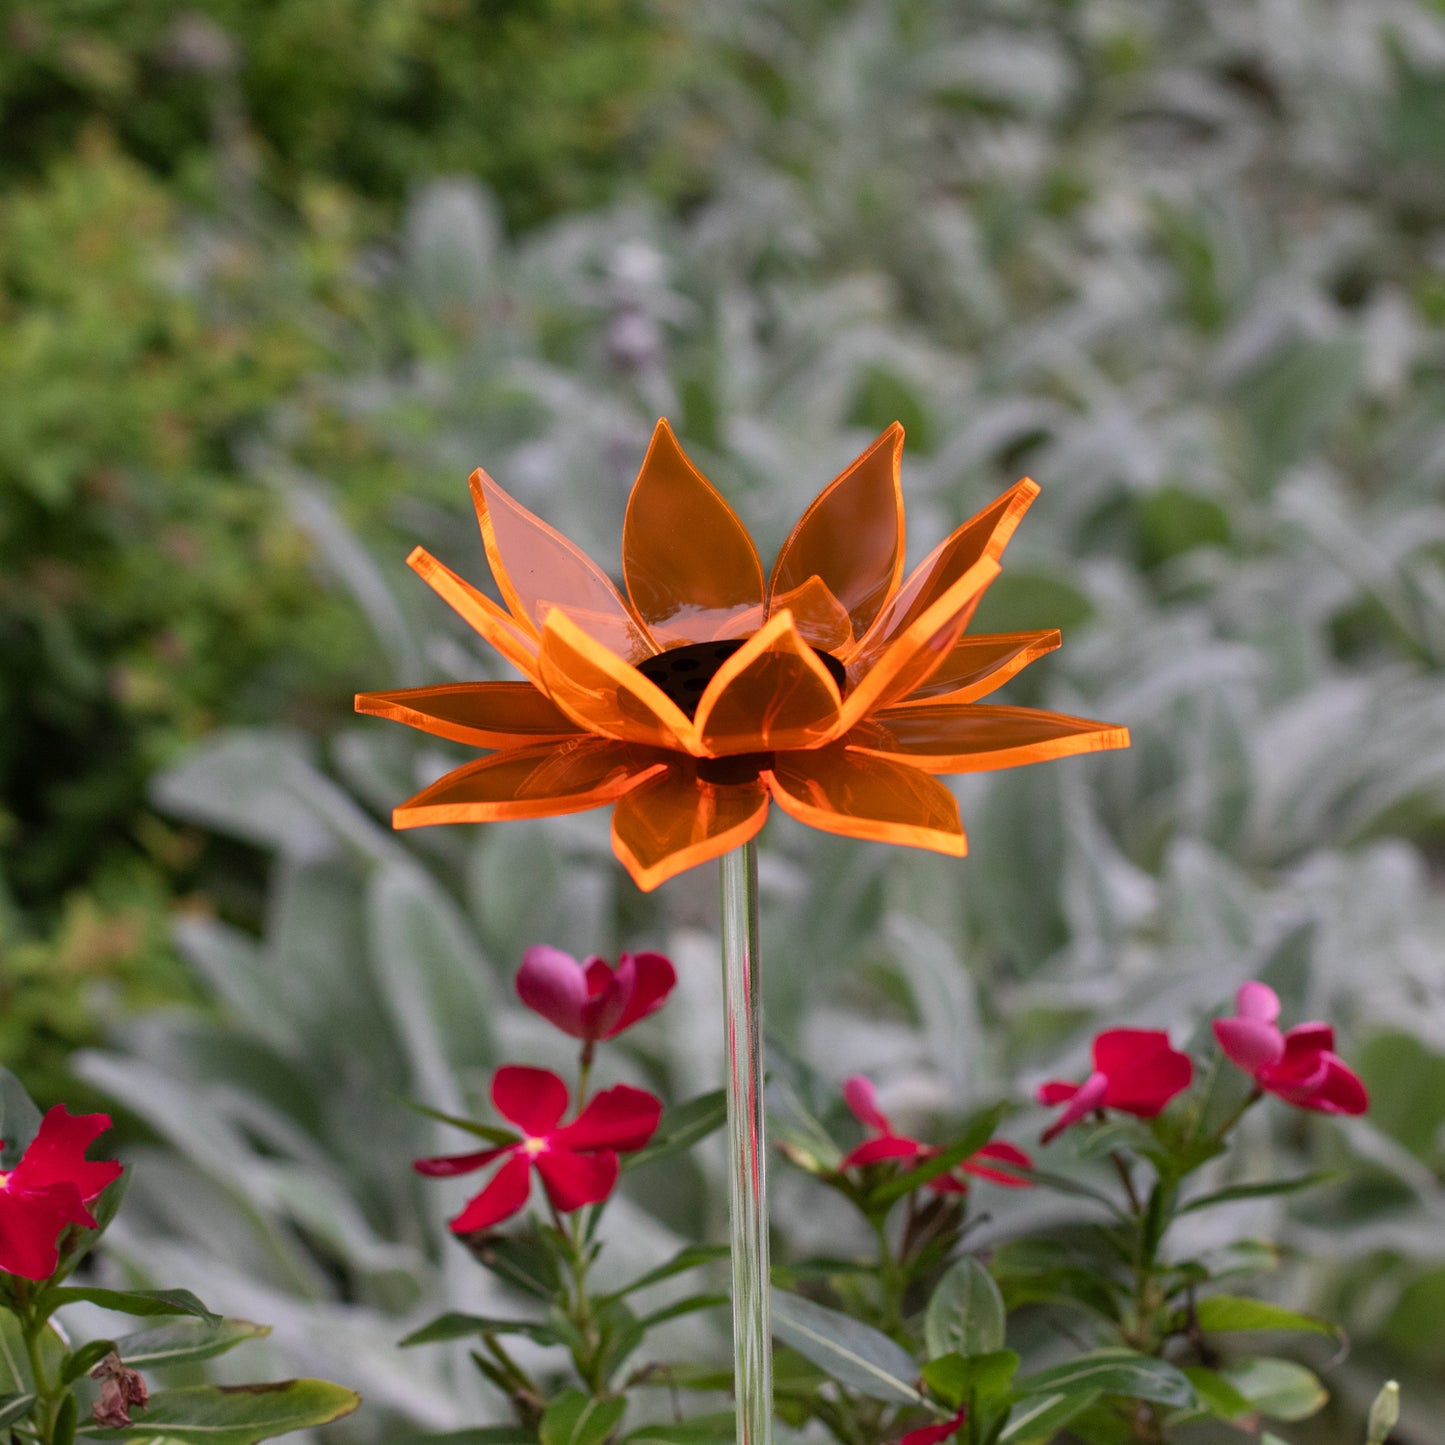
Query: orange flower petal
[692, 571]
[974, 738]
[537, 569]
[483, 714]
[861, 795]
[985, 534]
[851, 537]
[773, 692]
[540, 781]
[603, 694]
[478, 610]
[675, 821]
[819, 616]
[980, 665]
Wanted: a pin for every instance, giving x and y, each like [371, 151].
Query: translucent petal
[911, 658]
[860, 795]
[851, 536]
[818, 615]
[772, 693]
[478, 611]
[535, 782]
[603, 694]
[976, 737]
[691, 569]
[676, 820]
[984, 535]
[537, 569]
[979, 665]
[482, 714]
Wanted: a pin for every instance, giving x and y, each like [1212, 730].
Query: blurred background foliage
[276, 277]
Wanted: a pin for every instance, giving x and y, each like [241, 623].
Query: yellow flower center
[533, 1146]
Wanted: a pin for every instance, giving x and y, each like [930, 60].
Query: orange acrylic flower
[835, 687]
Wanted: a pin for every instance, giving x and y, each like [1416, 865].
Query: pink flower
[577, 1162]
[1135, 1070]
[862, 1099]
[932, 1434]
[1300, 1066]
[48, 1189]
[591, 1000]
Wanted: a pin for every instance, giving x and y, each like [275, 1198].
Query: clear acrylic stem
[747, 1148]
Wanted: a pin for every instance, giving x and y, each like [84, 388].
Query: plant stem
[747, 1150]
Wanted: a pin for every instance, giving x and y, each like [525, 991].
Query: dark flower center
[684, 672]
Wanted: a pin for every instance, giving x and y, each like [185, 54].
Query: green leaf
[490, 1132]
[1237, 1312]
[575, 1418]
[233, 1414]
[1113, 1372]
[1259, 1190]
[103, 1209]
[851, 1352]
[15, 1407]
[456, 1326]
[19, 1119]
[15, 1375]
[85, 1359]
[1040, 1418]
[482, 1435]
[1217, 1395]
[523, 1262]
[131, 1301]
[716, 1429]
[953, 1377]
[1280, 1389]
[966, 1314]
[682, 1127]
[689, 1258]
[682, 1307]
[184, 1341]
[977, 1132]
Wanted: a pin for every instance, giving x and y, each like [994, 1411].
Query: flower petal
[887, 1146]
[504, 1195]
[1340, 1092]
[532, 1099]
[538, 569]
[572, 1180]
[448, 1166]
[621, 1118]
[819, 616]
[1085, 1099]
[983, 537]
[945, 737]
[851, 536]
[1055, 1091]
[604, 694]
[481, 714]
[980, 665]
[1001, 1152]
[31, 1221]
[1144, 1071]
[56, 1155]
[934, 1434]
[861, 795]
[551, 983]
[478, 610]
[772, 693]
[691, 569]
[1251, 1043]
[676, 820]
[654, 978]
[541, 781]
[861, 1097]
[608, 990]
[1257, 1000]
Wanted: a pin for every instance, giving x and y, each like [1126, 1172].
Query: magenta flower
[1300, 1065]
[577, 1162]
[1135, 1071]
[48, 1189]
[862, 1099]
[933, 1434]
[591, 1000]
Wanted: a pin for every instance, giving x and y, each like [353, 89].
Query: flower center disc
[683, 673]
